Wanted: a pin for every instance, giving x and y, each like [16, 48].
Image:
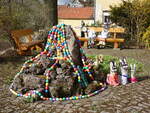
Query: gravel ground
[131, 98]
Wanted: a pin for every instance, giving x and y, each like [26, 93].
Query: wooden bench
[116, 40]
[25, 47]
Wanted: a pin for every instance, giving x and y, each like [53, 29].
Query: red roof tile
[65, 12]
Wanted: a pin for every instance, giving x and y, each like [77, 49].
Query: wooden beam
[102, 39]
[99, 29]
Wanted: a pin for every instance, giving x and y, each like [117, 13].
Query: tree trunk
[10, 7]
[53, 17]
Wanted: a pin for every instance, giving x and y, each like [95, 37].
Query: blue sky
[62, 2]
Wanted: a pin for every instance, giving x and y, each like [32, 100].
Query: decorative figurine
[133, 70]
[99, 59]
[124, 71]
[91, 37]
[112, 77]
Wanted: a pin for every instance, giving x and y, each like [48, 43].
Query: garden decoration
[91, 37]
[112, 77]
[99, 59]
[133, 70]
[61, 67]
[124, 71]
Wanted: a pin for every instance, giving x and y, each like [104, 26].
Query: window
[106, 17]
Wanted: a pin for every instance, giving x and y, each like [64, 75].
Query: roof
[66, 12]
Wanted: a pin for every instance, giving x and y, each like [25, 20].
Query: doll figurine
[124, 71]
[133, 70]
[112, 77]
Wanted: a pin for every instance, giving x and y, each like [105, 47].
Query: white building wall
[104, 5]
[98, 11]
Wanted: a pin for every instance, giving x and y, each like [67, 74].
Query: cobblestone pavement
[131, 98]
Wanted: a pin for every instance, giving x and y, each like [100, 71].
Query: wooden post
[115, 43]
[86, 44]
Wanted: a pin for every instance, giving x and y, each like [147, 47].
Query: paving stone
[138, 108]
[104, 112]
[87, 105]
[118, 111]
[37, 112]
[9, 110]
[127, 108]
[30, 112]
[103, 105]
[90, 111]
[67, 106]
[94, 103]
[81, 109]
[60, 106]
[133, 102]
[143, 105]
[143, 112]
[58, 110]
[125, 101]
[75, 107]
[78, 104]
[146, 104]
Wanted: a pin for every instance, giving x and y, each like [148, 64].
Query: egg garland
[56, 40]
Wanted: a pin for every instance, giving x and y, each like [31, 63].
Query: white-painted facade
[102, 9]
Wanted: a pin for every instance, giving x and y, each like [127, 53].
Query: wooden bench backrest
[17, 34]
[116, 30]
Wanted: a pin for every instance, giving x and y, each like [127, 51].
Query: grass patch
[104, 67]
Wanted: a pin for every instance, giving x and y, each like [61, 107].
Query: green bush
[134, 16]
[146, 38]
